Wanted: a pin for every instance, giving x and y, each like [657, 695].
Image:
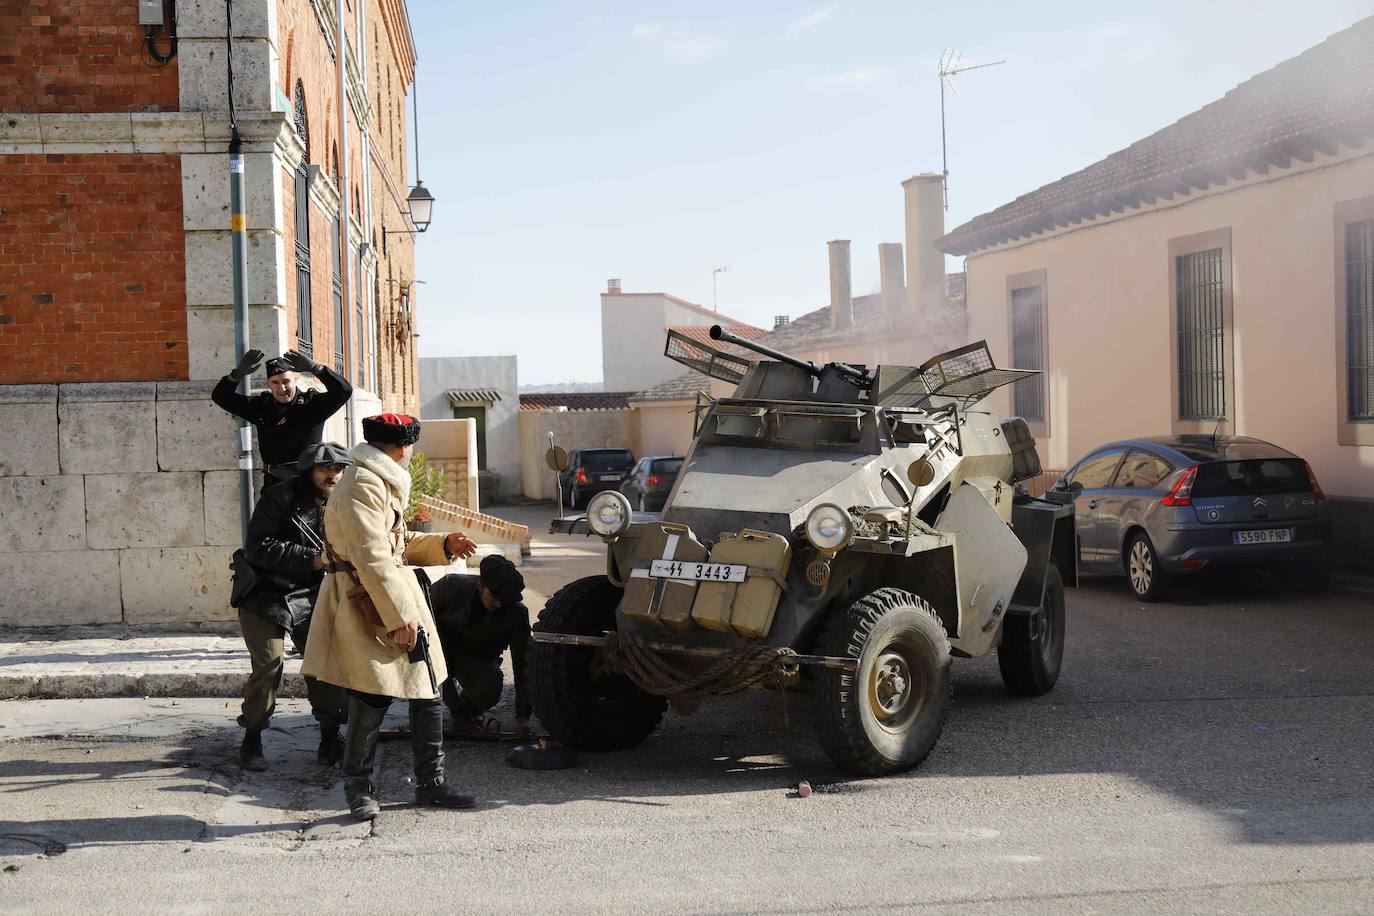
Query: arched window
[304, 313]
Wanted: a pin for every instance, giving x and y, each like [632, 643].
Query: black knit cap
[391, 429]
[500, 576]
[276, 366]
[321, 454]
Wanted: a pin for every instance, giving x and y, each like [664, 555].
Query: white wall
[1108, 300]
[633, 333]
[438, 374]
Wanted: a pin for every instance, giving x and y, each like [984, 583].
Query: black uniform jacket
[466, 627]
[284, 430]
[288, 582]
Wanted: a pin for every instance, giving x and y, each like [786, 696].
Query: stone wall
[120, 505]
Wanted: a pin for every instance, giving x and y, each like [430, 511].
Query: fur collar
[380, 463]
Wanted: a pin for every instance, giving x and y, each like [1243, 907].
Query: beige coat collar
[380, 463]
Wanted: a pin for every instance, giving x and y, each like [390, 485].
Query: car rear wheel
[887, 715]
[1032, 649]
[1148, 579]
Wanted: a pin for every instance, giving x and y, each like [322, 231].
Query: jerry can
[746, 607]
[665, 603]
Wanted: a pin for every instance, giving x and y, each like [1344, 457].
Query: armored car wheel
[580, 708]
[1032, 648]
[887, 715]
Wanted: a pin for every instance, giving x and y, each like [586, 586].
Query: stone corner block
[107, 428]
[195, 390]
[176, 585]
[89, 592]
[210, 337]
[145, 510]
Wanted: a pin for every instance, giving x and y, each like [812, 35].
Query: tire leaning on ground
[577, 707]
[887, 715]
[1032, 649]
[1146, 576]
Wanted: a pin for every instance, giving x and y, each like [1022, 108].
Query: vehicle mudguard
[1046, 530]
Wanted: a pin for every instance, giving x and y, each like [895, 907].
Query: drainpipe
[238, 235]
[345, 267]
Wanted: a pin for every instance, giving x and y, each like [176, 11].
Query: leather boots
[359, 754]
[427, 735]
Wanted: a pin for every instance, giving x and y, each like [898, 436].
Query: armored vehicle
[834, 529]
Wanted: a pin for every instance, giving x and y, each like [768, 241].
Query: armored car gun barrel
[834, 528]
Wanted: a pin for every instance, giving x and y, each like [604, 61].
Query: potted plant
[424, 481]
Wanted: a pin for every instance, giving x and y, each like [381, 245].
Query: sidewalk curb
[173, 684]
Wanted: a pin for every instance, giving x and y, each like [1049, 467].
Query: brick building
[117, 473]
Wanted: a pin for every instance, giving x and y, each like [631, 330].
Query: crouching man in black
[286, 549]
[480, 617]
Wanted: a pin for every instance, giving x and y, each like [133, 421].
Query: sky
[570, 142]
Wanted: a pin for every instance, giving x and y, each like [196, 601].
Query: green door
[479, 414]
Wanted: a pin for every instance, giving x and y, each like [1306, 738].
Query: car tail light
[1181, 494]
[653, 480]
[581, 475]
[1316, 487]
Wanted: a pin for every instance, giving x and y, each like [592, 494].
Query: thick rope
[688, 691]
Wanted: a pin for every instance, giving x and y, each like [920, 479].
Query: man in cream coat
[365, 528]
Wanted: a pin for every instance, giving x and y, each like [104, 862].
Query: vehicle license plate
[1263, 536]
[702, 572]
[610, 476]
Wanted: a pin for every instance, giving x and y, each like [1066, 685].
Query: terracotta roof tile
[589, 400]
[1322, 99]
[682, 388]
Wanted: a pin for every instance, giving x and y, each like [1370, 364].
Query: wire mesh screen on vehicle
[705, 359]
[968, 374]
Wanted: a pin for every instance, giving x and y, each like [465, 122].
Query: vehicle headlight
[828, 527]
[608, 513]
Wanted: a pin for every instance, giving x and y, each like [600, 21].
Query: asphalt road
[1213, 754]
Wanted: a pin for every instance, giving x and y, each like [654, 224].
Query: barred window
[1359, 304]
[334, 242]
[1028, 351]
[301, 191]
[1201, 340]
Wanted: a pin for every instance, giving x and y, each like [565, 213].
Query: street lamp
[421, 205]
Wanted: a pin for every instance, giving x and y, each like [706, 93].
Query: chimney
[781, 321]
[925, 263]
[613, 287]
[841, 301]
[893, 278]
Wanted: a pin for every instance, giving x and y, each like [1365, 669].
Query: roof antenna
[948, 69]
[1216, 430]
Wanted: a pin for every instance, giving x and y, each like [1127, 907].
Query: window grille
[1359, 305]
[1028, 351]
[337, 284]
[1201, 336]
[304, 312]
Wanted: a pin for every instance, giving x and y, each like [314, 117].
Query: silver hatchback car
[1161, 507]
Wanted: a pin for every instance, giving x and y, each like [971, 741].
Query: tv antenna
[724, 268]
[950, 66]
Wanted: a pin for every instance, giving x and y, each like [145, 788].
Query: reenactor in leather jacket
[285, 551]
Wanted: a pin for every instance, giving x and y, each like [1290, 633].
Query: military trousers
[266, 645]
[474, 684]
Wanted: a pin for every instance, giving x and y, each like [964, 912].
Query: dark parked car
[591, 470]
[651, 481]
[1158, 508]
